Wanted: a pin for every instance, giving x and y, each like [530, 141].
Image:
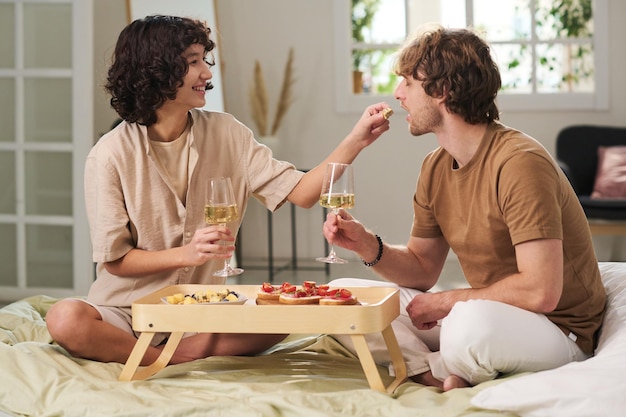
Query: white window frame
[347, 101]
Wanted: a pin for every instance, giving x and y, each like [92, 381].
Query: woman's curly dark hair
[455, 64]
[148, 67]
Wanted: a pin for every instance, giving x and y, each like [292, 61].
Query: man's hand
[343, 230]
[425, 310]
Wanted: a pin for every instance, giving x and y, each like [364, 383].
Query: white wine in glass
[337, 193]
[220, 207]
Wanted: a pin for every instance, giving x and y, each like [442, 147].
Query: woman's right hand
[211, 242]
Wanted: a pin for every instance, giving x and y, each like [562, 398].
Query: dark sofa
[577, 154]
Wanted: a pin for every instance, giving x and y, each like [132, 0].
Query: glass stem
[332, 254]
[227, 266]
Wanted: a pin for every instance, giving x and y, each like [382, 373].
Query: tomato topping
[288, 288]
[343, 293]
[338, 293]
[301, 293]
[331, 292]
[267, 287]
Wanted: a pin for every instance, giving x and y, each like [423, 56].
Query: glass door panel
[8, 255]
[7, 36]
[47, 35]
[7, 113]
[7, 183]
[49, 256]
[48, 108]
[48, 179]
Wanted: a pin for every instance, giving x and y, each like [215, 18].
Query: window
[552, 54]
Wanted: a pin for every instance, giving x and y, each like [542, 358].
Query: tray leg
[369, 366]
[131, 372]
[367, 362]
[397, 359]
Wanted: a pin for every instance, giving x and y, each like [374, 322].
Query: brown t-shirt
[131, 202]
[512, 191]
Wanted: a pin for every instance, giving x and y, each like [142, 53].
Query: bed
[306, 375]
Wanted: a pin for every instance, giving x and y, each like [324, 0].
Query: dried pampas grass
[259, 100]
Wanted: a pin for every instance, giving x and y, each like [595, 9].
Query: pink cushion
[611, 175]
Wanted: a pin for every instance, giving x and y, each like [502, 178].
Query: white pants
[478, 340]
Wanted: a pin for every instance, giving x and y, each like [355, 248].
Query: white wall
[386, 172]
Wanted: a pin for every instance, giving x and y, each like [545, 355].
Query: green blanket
[311, 375]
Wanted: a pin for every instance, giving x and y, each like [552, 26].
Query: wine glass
[337, 193]
[220, 207]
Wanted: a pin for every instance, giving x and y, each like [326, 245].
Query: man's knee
[467, 322]
[467, 332]
[472, 337]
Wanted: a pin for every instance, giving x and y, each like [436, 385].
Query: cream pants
[477, 341]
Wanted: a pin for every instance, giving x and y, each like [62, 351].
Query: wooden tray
[378, 307]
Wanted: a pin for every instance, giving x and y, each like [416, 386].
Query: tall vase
[273, 143]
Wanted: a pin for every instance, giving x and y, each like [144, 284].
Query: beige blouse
[131, 203]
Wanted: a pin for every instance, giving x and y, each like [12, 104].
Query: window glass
[541, 46]
[48, 106]
[7, 110]
[564, 68]
[49, 256]
[387, 17]
[7, 36]
[503, 20]
[48, 194]
[564, 19]
[8, 255]
[515, 63]
[47, 35]
[7, 182]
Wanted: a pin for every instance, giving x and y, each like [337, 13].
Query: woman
[145, 184]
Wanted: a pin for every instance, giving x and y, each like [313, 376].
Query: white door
[46, 130]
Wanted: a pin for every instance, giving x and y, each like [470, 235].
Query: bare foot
[453, 382]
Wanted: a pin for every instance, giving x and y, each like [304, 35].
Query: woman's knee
[65, 316]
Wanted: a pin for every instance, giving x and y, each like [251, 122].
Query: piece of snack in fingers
[387, 112]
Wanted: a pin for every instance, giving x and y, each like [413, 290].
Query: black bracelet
[380, 254]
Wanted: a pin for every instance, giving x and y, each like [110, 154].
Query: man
[497, 199]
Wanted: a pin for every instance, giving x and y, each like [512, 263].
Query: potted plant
[363, 12]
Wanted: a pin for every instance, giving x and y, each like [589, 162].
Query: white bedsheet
[593, 388]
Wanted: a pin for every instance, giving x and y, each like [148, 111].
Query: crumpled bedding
[306, 375]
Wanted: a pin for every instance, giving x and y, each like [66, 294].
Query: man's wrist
[378, 255]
